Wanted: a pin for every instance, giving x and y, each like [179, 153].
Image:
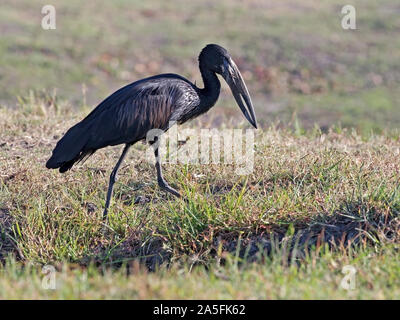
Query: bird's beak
[239, 90]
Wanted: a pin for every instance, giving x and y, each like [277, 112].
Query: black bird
[128, 114]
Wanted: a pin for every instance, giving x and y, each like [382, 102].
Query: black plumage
[128, 114]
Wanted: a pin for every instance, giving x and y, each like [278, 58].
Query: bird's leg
[161, 181]
[113, 178]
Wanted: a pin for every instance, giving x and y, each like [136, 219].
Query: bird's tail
[70, 149]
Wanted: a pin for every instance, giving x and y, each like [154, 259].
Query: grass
[319, 277]
[294, 57]
[314, 203]
[324, 192]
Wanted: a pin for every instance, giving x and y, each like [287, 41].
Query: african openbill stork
[128, 114]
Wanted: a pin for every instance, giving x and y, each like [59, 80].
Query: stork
[127, 115]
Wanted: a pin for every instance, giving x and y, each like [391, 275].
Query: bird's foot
[173, 191]
[176, 193]
[105, 212]
[165, 186]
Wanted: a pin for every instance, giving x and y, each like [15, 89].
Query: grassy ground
[318, 278]
[324, 193]
[296, 58]
[314, 203]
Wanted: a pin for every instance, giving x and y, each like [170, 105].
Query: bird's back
[126, 116]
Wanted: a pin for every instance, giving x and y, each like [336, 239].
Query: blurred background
[302, 68]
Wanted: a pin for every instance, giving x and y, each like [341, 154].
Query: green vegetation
[324, 192]
[314, 203]
[319, 277]
[296, 58]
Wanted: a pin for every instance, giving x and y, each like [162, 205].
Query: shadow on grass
[7, 245]
[340, 232]
[353, 225]
[344, 229]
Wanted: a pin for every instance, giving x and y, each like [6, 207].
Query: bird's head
[218, 60]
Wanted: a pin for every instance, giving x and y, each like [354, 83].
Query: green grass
[318, 277]
[314, 203]
[295, 57]
[324, 192]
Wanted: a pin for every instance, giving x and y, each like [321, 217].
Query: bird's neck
[212, 87]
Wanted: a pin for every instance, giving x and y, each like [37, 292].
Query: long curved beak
[239, 90]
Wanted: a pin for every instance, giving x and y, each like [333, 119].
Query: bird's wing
[129, 113]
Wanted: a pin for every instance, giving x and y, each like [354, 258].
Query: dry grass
[317, 200]
[314, 203]
[333, 188]
[325, 74]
